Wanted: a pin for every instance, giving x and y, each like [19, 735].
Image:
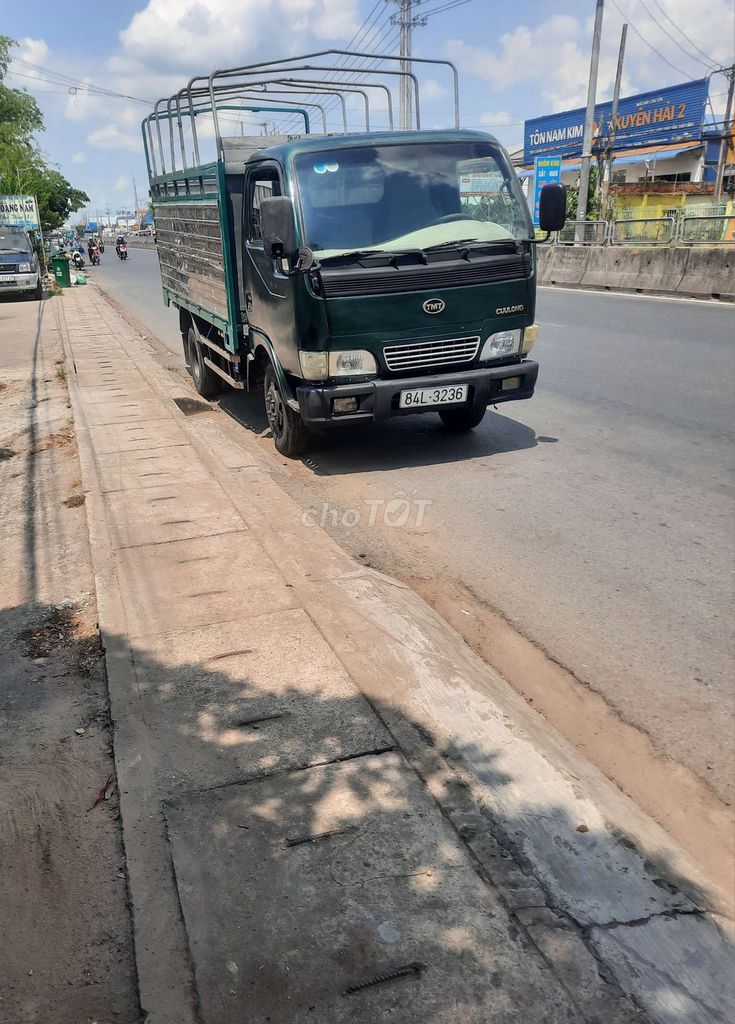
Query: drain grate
[192, 407]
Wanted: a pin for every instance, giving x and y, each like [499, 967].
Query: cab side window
[262, 184]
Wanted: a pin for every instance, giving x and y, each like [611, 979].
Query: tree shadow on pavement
[322, 876]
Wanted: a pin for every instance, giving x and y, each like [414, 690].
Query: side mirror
[552, 207]
[278, 227]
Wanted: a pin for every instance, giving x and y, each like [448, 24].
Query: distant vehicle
[351, 277]
[122, 250]
[94, 254]
[19, 268]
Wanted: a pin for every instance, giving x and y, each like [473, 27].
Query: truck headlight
[355, 363]
[24, 268]
[313, 365]
[504, 343]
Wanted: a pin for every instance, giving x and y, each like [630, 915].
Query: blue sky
[516, 60]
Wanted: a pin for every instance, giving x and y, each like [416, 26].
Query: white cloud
[35, 51]
[432, 90]
[184, 34]
[79, 158]
[122, 184]
[80, 105]
[554, 55]
[497, 119]
[110, 137]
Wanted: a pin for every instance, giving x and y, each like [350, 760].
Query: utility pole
[726, 140]
[584, 177]
[406, 21]
[135, 196]
[607, 182]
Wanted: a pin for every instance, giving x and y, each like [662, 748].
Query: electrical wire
[683, 33]
[643, 39]
[674, 40]
[56, 78]
[446, 7]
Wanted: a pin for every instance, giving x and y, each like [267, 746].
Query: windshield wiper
[471, 241]
[359, 253]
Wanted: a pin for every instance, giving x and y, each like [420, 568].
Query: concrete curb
[165, 977]
[700, 273]
[521, 820]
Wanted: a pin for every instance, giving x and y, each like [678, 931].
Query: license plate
[433, 396]
[7, 281]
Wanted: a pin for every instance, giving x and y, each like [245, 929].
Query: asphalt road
[597, 518]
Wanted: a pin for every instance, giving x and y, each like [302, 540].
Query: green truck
[351, 276]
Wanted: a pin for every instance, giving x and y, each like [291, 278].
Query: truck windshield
[403, 196]
[14, 240]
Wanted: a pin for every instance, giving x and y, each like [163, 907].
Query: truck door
[268, 292]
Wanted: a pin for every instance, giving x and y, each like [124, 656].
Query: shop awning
[628, 156]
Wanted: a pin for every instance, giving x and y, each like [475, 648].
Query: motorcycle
[94, 255]
[78, 260]
[102, 247]
[122, 251]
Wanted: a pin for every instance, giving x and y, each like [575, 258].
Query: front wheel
[290, 434]
[459, 420]
[38, 290]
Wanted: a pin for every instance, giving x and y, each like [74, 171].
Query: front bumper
[378, 399]
[11, 284]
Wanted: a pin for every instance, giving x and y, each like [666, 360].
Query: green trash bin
[62, 275]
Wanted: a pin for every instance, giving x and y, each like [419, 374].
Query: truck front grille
[9, 268]
[419, 354]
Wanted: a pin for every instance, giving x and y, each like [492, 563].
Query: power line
[445, 7]
[674, 40]
[683, 33]
[42, 74]
[644, 40]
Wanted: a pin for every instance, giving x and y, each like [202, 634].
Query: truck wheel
[206, 381]
[459, 420]
[38, 290]
[289, 431]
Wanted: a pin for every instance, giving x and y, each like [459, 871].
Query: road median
[287, 716]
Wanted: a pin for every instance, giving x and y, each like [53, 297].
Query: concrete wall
[701, 272]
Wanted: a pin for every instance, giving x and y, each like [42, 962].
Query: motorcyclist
[120, 241]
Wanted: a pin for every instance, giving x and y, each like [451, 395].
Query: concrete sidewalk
[332, 809]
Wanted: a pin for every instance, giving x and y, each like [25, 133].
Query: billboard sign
[20, 212]
[546, 169]
[675, 114]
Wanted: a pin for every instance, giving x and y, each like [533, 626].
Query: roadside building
[664, 153]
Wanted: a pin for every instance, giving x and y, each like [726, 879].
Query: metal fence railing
[708, 230]
[589, 232]
[643, 231]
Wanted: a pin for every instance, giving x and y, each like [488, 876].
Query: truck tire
[38, 290]
[206, 381]
[457, 421]
[290, 434]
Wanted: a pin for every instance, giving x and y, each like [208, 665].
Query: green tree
[594, 199]
[23, 168]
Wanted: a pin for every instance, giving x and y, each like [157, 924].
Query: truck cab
[383, 289]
